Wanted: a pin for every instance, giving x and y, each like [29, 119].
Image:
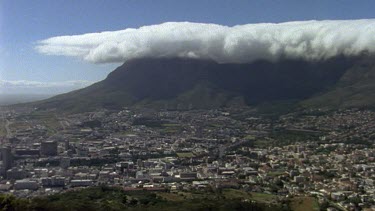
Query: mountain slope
[356, 88]
[191, 83]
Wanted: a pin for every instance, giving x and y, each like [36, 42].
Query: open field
[226, 193]
[170, 128]
[185, 154]
[304, 204]
[263, 197]
[49, 120]
[258, 197]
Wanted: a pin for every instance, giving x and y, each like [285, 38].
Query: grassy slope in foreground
[104, 198]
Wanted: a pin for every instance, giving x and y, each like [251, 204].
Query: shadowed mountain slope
[356, 88]
[191, 83]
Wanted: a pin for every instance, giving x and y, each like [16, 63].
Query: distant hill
[198, 84]
[8, 99]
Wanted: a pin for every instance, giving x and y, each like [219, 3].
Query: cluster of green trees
[11, 203]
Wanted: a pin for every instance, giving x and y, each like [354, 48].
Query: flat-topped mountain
[177, 83]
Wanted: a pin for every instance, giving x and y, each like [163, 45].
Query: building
[81, 183]
[65, 162]
[26, 184]
[7, 158]
[16, 174]
[48, 148]
[53, 181]
[27, 152]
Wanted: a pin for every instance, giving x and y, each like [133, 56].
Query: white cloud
[310, 40]
[36, 87]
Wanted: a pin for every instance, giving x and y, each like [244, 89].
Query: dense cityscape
[328, 156]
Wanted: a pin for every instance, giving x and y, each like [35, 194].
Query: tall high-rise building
[48, 148]
[7, 157]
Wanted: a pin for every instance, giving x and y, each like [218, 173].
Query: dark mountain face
[259, 81]
[193, 83]
[356, 88]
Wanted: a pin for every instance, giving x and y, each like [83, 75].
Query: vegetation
[170, 128]
[263, 197]
[153, 123]
[291, 136]
[47, 119]
[304, 204]
[354, 89]
[110, 198]
[276, 108]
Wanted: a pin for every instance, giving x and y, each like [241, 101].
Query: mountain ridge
[356, 88]
[180, 83]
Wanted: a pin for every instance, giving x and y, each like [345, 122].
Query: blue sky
[24, 22]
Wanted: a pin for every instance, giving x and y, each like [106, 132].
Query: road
[9, 132]
[7, 123]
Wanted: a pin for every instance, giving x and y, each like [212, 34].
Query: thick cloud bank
[310, 40]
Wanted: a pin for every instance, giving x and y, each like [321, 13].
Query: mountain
[355, 88]
[178, 83]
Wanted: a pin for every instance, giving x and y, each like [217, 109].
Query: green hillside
[356, 88]
[106, 199]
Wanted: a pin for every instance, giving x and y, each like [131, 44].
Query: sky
[24, 23]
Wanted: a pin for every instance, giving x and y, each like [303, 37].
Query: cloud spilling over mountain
[308, 40]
